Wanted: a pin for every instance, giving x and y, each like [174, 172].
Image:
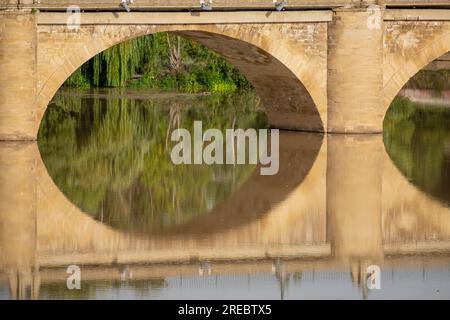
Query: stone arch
[291, 84]
[404, 58]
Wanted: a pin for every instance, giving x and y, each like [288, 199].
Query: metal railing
[186, 5]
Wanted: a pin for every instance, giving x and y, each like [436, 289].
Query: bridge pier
[18, 217]
[18, 72]
[354, 196]
[355, 71]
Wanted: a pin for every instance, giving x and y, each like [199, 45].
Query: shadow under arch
[289, 102]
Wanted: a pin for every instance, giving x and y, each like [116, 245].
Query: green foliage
[111, 156]
[223, 87]
[78, 79]
[147, 81]
[191, 84]
[161, 61]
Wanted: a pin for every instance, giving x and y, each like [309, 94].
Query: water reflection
[417, 138]
[337, 205]
[110, 154]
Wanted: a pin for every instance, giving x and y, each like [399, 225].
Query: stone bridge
[336, 69]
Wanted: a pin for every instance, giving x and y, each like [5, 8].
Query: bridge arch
[291, 84]
[410, 47]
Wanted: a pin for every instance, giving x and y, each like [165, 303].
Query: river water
[99, 191]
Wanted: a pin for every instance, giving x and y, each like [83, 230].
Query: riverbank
[405, 109]
[427, 97]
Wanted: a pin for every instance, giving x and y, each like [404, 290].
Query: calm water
[99, 190]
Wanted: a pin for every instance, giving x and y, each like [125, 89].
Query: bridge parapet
[224, 5]
[171, 5]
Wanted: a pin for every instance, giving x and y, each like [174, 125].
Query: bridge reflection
[337, 202]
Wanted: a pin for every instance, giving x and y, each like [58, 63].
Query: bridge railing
[172, 4]
[177, 5]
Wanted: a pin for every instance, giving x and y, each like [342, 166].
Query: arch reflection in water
[116, 152]
[338, 205]
[417, 138]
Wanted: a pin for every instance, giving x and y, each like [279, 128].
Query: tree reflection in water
[417, 138]
[110, 155]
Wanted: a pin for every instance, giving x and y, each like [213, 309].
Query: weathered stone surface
[18, 76]
[354, 73]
